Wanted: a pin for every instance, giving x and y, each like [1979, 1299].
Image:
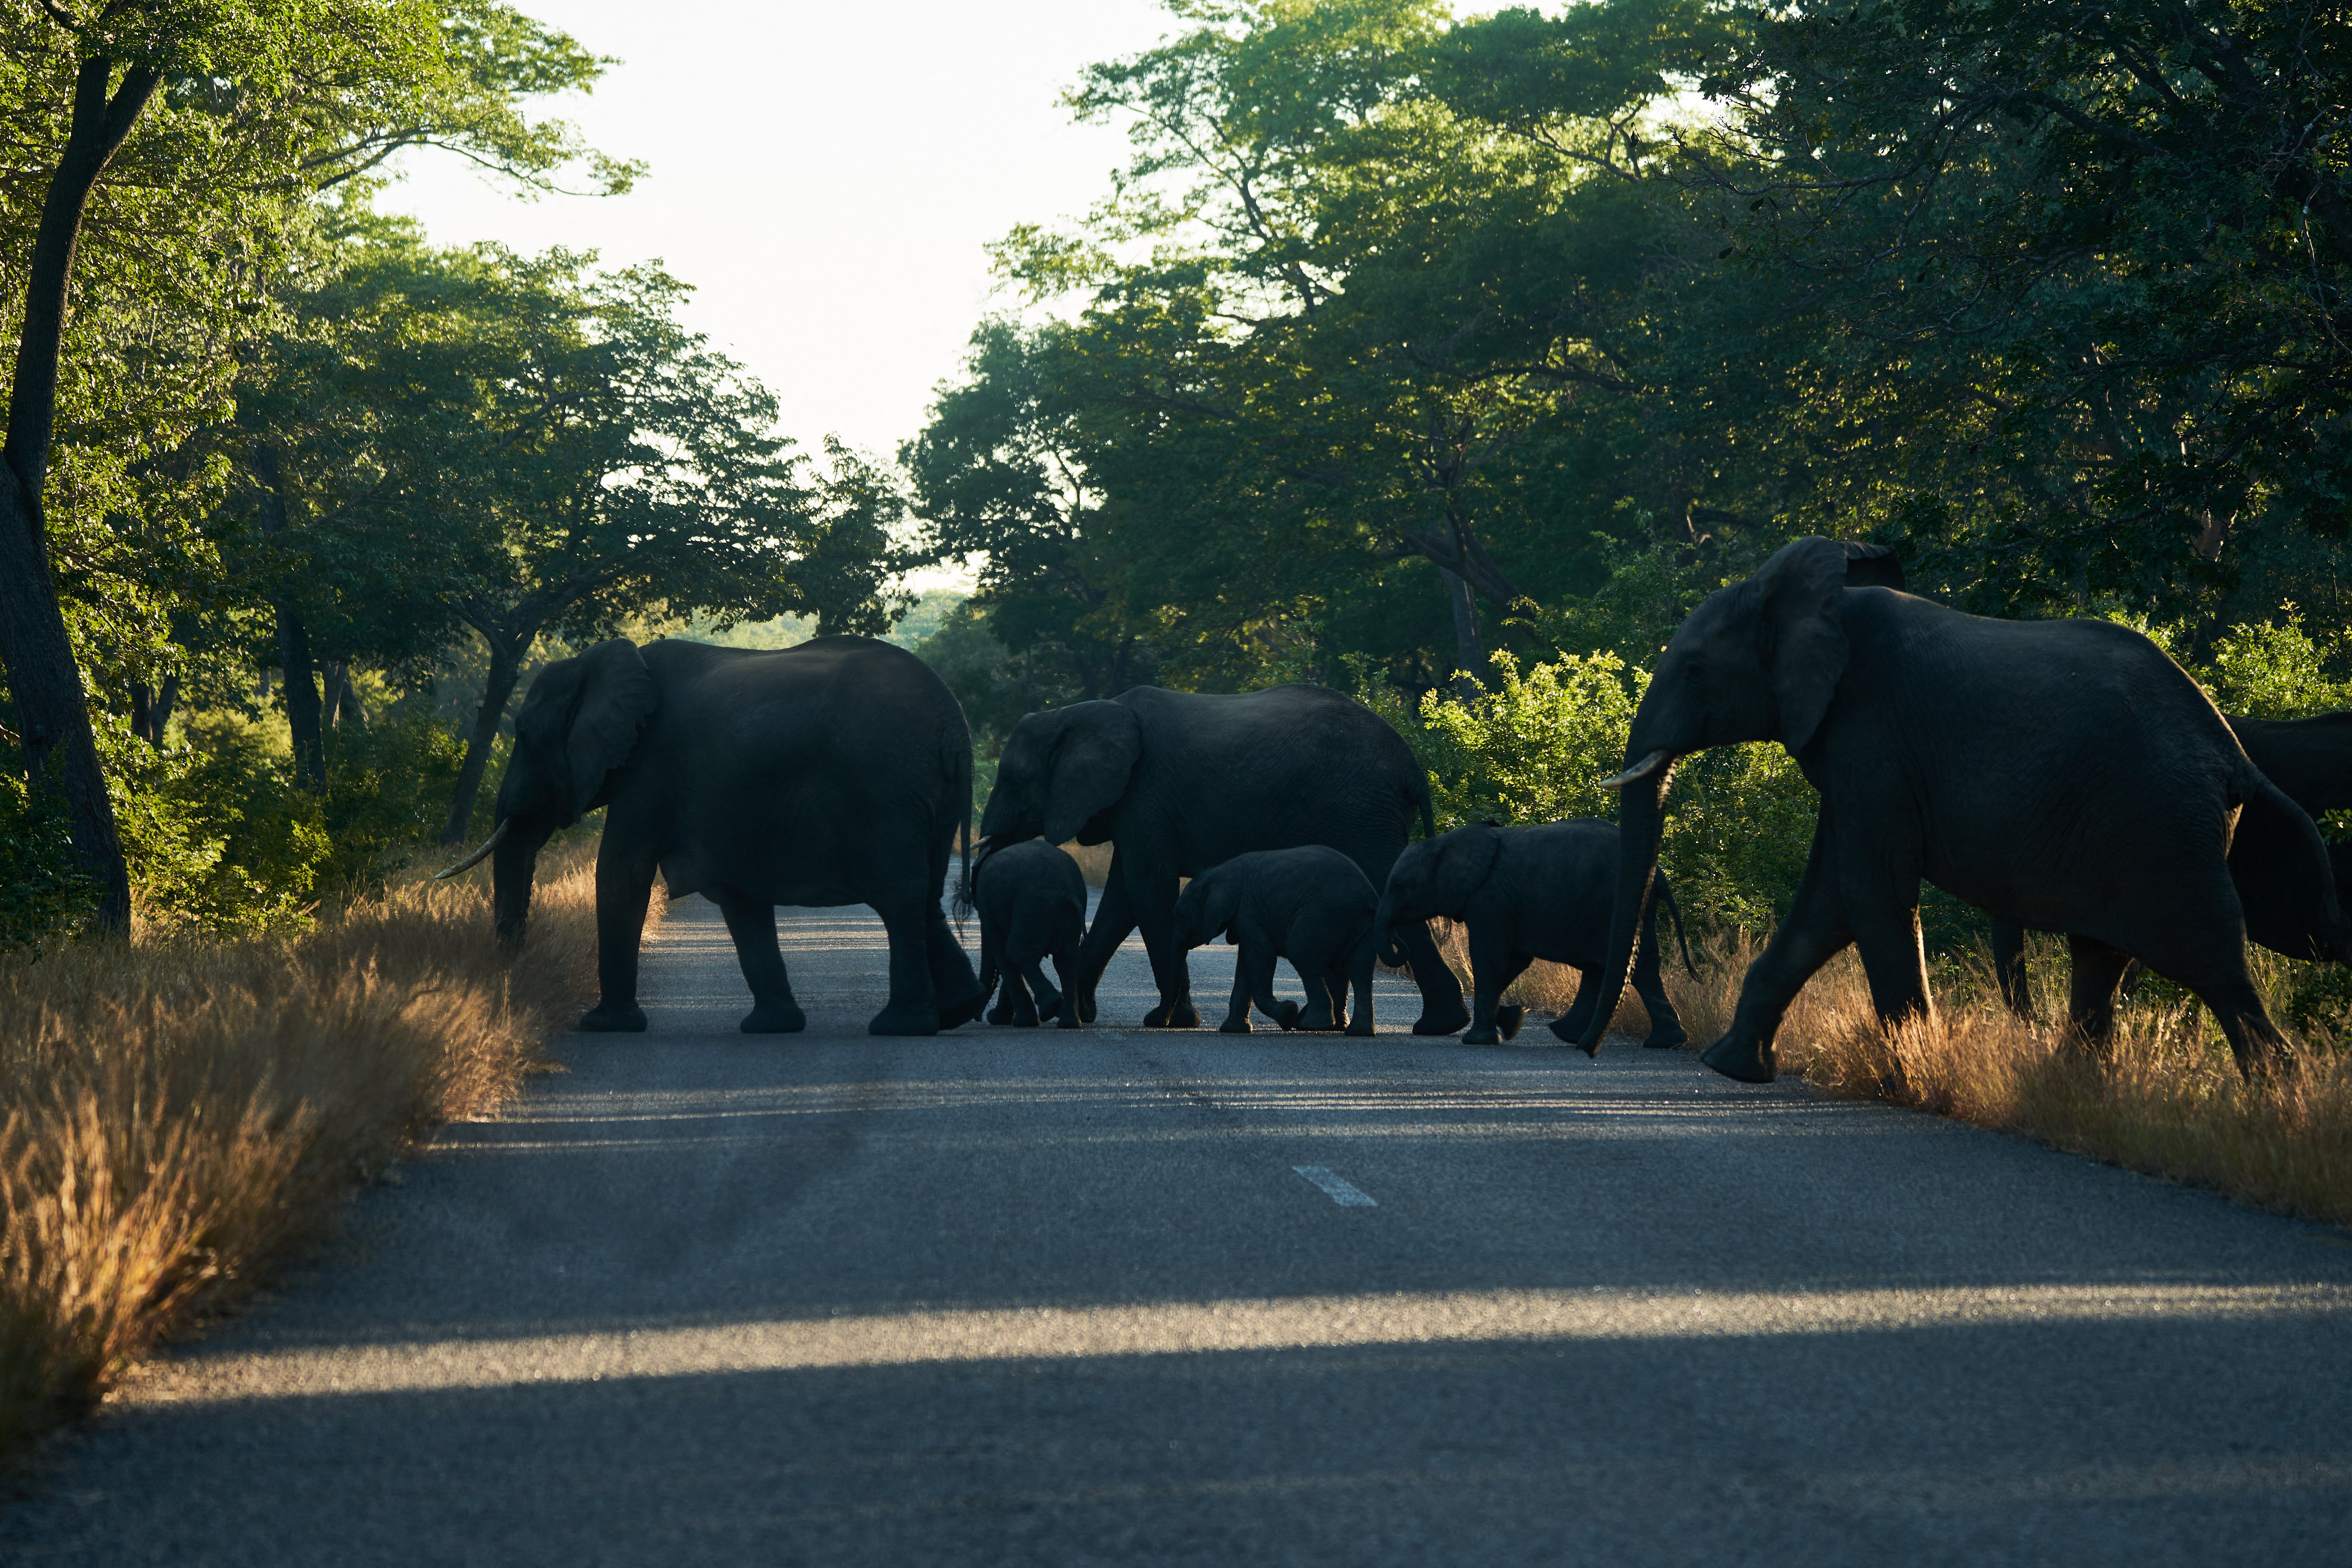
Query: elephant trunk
[512, 866]
[1640, 824]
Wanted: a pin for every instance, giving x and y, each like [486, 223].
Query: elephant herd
[2063, 775]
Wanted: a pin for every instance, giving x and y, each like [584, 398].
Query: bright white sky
[825, 175]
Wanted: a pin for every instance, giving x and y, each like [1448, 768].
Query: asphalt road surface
[1127, 1296]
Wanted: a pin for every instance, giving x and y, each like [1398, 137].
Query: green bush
[220, 834]
[42, 890]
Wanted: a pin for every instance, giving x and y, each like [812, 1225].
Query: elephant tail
[1666, 897]
[1428, 812]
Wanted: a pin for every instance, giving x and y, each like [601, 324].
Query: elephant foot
[1360, 1027]
[1488, 1035]
[1667, 1038]
[1086, 1008]
[1568, 1030]
[954, 1014]
[1000, 1014]
[783, 1018]
[1509, 1019]
[1234, 1027]
[897, 1020]
[1449, 1021]
[1742, 1060]
[1070, 1018]
[607, 1019]
[1024, 1018]
[1287, 1015]
[1181, 1015]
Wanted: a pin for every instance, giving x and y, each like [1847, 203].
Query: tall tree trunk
[343, 705]
[303, 714]
[1469, 650]
[506, 667]
[52, 709]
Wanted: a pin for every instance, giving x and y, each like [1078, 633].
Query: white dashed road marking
[1342, 1193]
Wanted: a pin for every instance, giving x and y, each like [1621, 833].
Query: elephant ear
[617, 695]
[1800, 633]
[1466, 858]
[1220, 904]
[1873, 566]
[1096, 748]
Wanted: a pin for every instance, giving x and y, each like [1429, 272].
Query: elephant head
[1438, 877]
[1205, 910]
[1759, 660]
[579, 722]
[1061, 770]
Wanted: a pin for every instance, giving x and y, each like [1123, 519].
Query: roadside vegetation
[185, 1112]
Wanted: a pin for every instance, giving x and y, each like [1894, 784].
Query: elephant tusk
[479, 855]
[1642, 769]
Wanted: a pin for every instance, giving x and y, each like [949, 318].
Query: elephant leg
[1065, 968]
[913, 1008]
[1049, 1000]
[1257, 960]
[2090, 1001]
[1237, 1018]
[1814, 932]
[1154, 903]
[753, 927]
[1359, 976]
[1442, 1012]
[2009, 967]
[1114, 919]
[1315, 1013]
[955, 987]
[1570, 1027]
[1879, 877]
[1493, 967]
[625, 881]
[1666, 1029]
[1014, 1005]
[2209, 959]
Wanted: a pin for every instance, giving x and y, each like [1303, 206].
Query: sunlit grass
[181, 1112]
[2164, 1098]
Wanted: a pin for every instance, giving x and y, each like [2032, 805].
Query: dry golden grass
[181, 1113]
[1093, 861]
[2165, 1098]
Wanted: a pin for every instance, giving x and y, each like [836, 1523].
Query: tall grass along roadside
[2164, 1099]
[179, 1112]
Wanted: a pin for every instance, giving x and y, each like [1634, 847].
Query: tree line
[1446, 359]
[1405, 338]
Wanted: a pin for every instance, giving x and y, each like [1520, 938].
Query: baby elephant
[1312, 905]
[1032, 905]
[1527, 893]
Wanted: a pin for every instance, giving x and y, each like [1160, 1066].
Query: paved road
[1011, 1297]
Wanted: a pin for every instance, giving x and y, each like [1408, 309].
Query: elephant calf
[1527, 893]
[1311, 905]
[1032, 901]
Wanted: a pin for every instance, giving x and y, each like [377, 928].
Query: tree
[214, 118]
[1004, 475]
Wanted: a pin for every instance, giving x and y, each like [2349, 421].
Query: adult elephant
[1179, 781]
[2057, 773]
[833, 772]
[2310, 760]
